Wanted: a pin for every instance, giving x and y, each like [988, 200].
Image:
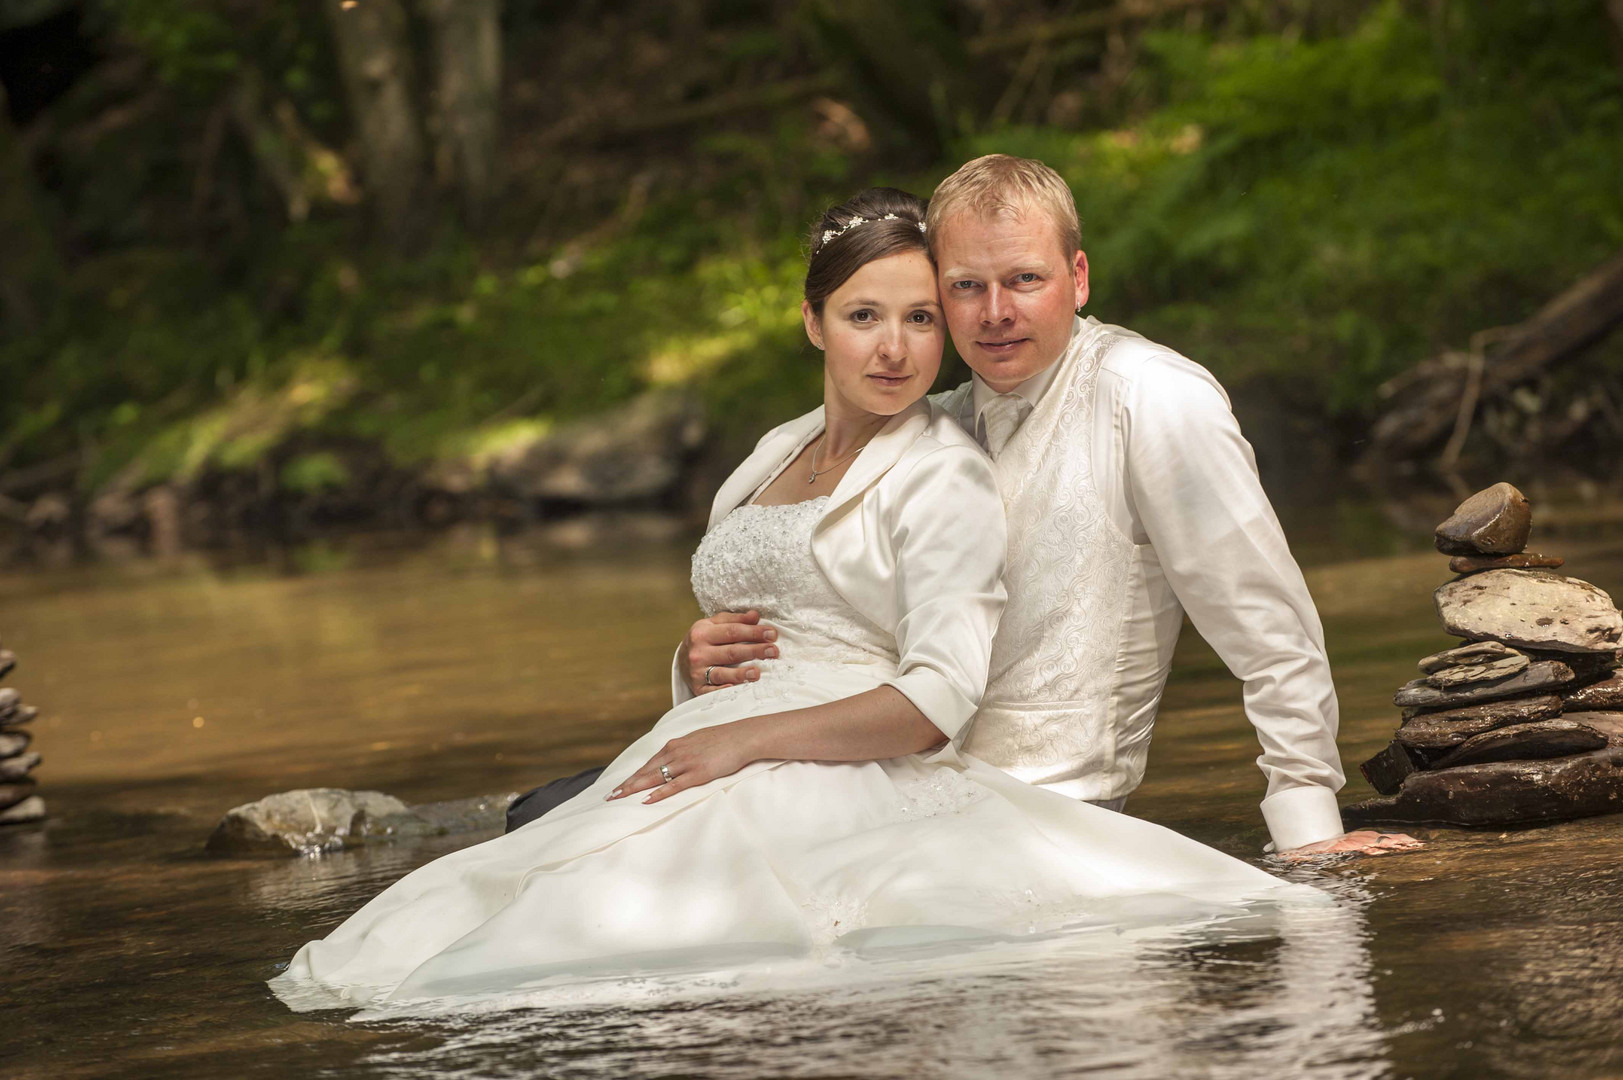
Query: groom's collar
[1033, 389]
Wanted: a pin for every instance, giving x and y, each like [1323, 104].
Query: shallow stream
[170, 693]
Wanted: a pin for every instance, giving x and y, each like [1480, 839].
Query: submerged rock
[1476, 652]
[1472, 674]
[1524, 742]
[1494, 521]
[1533, 609]
[1447, 728]
[316, 820]
[299, 822]
[30, 809]
[1545, 673]
[1503, 793]
[1475, 564]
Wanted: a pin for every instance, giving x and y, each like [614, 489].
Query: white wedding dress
[782, 861]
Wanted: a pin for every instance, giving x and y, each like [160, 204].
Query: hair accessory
[830, 234]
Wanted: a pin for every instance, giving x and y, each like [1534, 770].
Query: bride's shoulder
[945, 452]
[944, 429]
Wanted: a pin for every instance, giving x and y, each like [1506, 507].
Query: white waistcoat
[1047, 705]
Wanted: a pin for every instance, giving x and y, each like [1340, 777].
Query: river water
[170, 693]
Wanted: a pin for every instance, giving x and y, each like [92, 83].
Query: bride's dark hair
[891, 221]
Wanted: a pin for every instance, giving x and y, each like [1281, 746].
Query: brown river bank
[172, 692]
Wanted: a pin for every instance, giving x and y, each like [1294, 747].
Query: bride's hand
[714, 648]
[693, 759]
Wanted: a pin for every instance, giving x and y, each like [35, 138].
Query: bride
[823, 805]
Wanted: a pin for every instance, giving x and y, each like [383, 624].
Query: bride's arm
[870, 726]
[945, 526]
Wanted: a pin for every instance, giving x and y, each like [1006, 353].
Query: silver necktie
[1002, 418]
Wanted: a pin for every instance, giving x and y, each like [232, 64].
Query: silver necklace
[816, 472]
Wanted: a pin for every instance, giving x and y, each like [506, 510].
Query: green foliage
[1327, 213]
[314, 473]
[1319, 213]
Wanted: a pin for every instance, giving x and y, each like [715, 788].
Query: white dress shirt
[1179, 479]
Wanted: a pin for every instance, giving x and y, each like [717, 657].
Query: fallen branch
[1427, 402]
[590, 128]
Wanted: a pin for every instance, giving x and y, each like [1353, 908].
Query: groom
[1132, 500]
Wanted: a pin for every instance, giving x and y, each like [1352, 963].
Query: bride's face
[881, 334]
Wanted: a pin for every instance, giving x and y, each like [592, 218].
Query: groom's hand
[1362, 842]
[720, 644]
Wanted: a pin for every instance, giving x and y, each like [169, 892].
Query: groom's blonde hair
[1000, 184]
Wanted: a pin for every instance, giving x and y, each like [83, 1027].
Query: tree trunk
[907, 58]
[30, 266]
[467, 83]
[374, 55]
[1614, 8]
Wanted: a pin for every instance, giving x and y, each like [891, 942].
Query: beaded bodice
[760, 557]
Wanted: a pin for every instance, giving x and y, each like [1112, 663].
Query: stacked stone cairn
[18, 803]
[1524, 722]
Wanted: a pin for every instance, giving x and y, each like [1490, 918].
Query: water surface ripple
[171, 694]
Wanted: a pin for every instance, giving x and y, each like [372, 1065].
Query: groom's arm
[1193, 482]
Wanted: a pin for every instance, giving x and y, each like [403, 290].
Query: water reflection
[124, 952]
[1283, 992]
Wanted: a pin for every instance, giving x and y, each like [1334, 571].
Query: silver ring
[707, 672]
[665, 771]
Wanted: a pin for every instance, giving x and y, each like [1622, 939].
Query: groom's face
[1009, 290]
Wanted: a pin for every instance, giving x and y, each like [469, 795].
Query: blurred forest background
[273, 265]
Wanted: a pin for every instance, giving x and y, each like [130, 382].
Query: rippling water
[172, 693]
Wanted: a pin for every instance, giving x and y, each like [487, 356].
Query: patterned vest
[1045, 716]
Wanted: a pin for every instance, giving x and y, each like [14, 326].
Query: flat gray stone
[1524, 742]
[1545, 673]
[301, 822]
[1387, 770]
[15, 768]
[1494, 521]
[1531, 609]
[19, 717]
[1475, 652]
[1522, 560]
[30, 809]
[1501, 793]
[1471, 674]
[13, 743]
[1432, 732]
[9, 698]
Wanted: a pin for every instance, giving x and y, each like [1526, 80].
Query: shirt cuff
[1302, 815]
[935, 696]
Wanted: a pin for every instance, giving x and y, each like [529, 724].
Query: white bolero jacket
[912, 538]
